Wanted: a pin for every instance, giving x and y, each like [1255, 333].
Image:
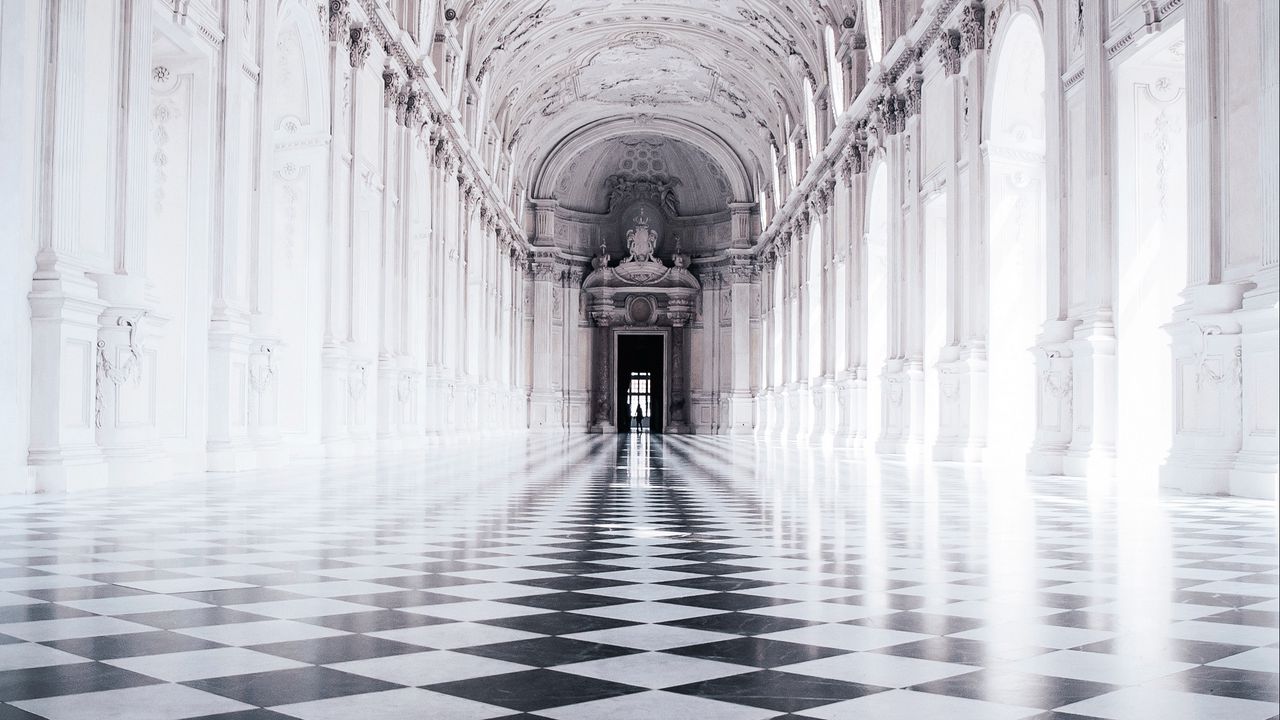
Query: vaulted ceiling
[697, 70]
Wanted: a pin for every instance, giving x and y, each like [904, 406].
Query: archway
[1016, 253]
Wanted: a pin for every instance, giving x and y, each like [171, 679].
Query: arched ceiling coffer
[724, 169]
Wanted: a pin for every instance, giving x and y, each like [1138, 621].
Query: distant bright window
[777, 184]
[835, 71]
[761, 202]
[875, 31]
[811, 120]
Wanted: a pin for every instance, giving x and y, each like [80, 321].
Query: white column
[851, 379]
[1206, 345]
[334, 368]
[1054, 364]
[903, 372]
[545, 405]
[740, 276]
[803, 403]
[230, 340]
[433, 297]
[126, 390]
[822, 395]
[786, 376]
[764, 411]
[577, 333]
[1093, 441]
[390, 265]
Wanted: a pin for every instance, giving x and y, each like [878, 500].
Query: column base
[68, 474]
[339, 448]
[1093, 463]
[126, 469]
[390, 444]
[1254, 476]
[894, 448]
[958, 452]
[1197, 476]
[1045, 460]
[232, 458]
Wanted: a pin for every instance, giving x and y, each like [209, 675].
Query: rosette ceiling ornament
[562, 74]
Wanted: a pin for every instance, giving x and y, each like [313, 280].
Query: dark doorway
[640, 383]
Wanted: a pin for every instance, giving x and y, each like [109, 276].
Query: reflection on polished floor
[637, 576]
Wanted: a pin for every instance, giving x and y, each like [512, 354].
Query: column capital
[949, 53]
[973, 19]
[338, 18]
[358, 45]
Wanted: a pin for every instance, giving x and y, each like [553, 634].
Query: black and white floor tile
[636, 578]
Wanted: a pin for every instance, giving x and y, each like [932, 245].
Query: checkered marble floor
[597, 578]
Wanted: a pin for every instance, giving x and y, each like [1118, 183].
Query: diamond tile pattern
[636, 577]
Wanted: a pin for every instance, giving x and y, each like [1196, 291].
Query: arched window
[762, 202]
[791, 153]
[773, 165]
[835, 74]
[810, 120]
[792, 174]
[875, 30]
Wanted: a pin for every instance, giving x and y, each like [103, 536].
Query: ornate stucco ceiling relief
[690, 181]
[567, 76]
[633, 75]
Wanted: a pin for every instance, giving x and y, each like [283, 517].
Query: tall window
[773, 165]
[835, 72]
[791, 153]
[761, 198]
[810, 120]
[875, 31]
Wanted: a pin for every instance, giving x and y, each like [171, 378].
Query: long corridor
[635, 577]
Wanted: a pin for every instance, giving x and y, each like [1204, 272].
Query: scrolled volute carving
[858, 153]
[914, 95]
[820, 197]
[391, 88]
[339, 19]
[949, 53]
[359, 42]
[845, 168]
[783, 242]
[972, 28]
[891, 112]
[803, 221]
